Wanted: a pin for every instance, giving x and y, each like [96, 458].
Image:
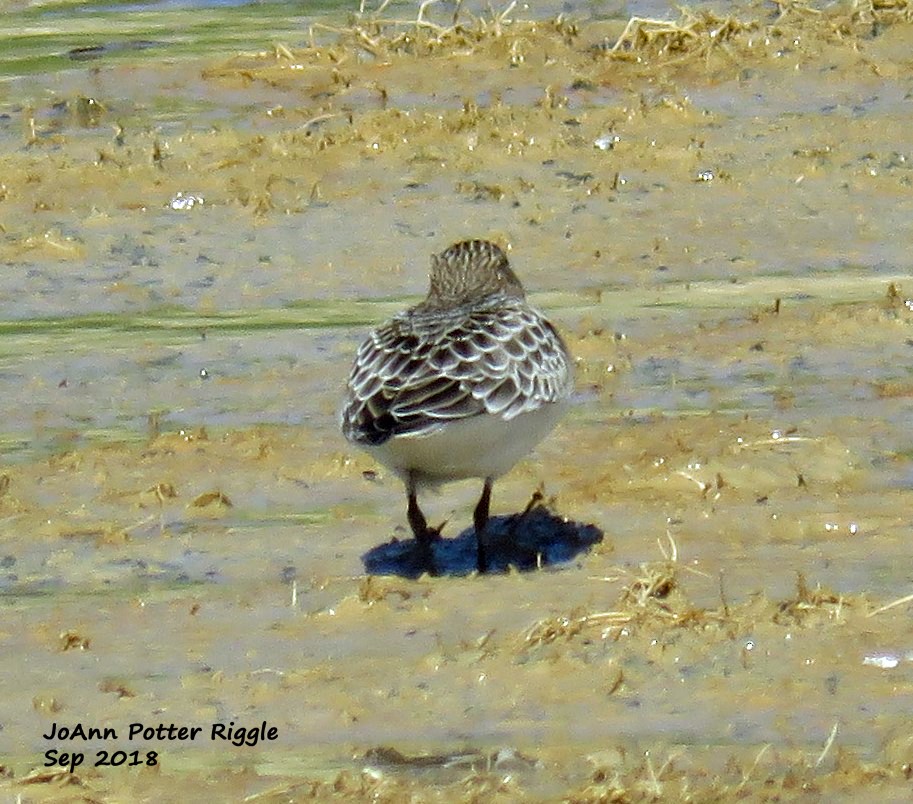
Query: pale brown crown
[469, 272]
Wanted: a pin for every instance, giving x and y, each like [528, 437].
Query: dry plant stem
[318, 119]
[827, 745]
[746, 776]
[498, 21]
[636, 26]
[283, 52]
[501, 19]
[457, 10]
[893, 604]
[767, 442]
[670, 552]
[144, 521]
[420, 18]
[319, 26]
[371, 45]
[787, 7]
[694, 35]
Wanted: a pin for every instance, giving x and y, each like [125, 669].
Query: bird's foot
[481, 557]
[425, 553]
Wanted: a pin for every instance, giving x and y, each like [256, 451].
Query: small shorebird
[462, 385]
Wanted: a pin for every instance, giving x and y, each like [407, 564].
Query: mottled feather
[472, 347]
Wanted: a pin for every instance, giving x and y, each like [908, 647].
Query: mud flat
[717, 212]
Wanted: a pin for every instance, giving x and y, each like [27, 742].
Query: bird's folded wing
[408, 380]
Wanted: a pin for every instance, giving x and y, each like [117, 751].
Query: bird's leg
[480, 521]
[423, 534]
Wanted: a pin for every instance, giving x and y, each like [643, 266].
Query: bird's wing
[524, 364]
[410, 378]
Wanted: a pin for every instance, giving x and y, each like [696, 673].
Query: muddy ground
[717, 215]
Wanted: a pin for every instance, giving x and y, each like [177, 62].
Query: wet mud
[716, 213]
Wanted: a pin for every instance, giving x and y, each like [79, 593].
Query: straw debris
[654, 601]
[809, 604]
[697, 34]
[382, 36]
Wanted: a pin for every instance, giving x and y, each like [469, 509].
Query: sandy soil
[717, 214]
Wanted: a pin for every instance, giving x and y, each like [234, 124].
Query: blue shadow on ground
[530, 540]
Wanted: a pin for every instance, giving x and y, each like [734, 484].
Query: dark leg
[423, 534]
[479, 521]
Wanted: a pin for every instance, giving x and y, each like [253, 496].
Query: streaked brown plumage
[461, 385]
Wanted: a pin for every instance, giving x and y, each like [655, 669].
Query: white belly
[483, 446]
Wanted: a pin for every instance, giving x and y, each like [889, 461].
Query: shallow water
[182, 527]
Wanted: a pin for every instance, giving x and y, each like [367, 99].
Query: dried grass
[882, 12]
[809, 603]
[770, 776]
[652, 600]
[901, 601]
[700, 34]
[698, 37]
[697, 34]
[382, 36]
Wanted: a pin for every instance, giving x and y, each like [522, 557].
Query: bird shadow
[529, 540]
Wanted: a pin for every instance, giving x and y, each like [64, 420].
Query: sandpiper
[460, 386]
